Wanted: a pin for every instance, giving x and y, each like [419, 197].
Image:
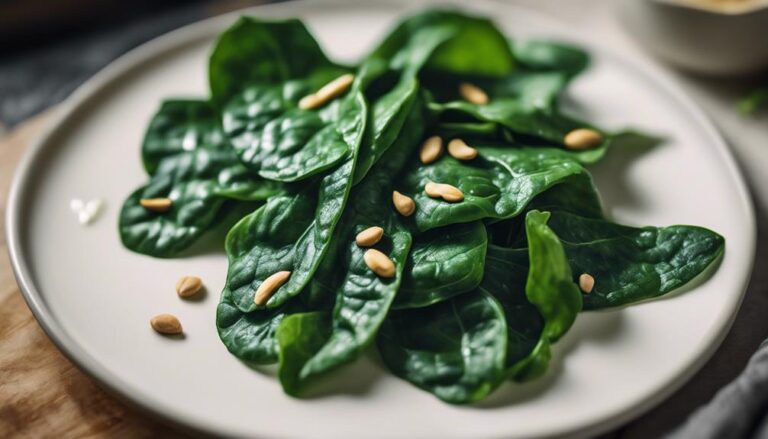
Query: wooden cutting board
[42, 394]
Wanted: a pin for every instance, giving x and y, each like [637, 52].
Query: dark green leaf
[291, 232]
[755, 101]
[249, 336]
[470, 45]
[631, 264]
[547, 56]
[363, 299]
[455, 349]
[300, 336]
[253, 51]
[191, 163]
[181, 126]
[550, 302]
[498, 184]
[275, 138]
[443, 263]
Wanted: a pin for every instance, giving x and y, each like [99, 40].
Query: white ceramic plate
[94, 298]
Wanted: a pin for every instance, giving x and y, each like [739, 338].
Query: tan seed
[431, 150]
[582, 138]
[166, 324]
[586, 283]
[444, 191]
[269, 286]
[459, 150]
[403, 203]
[327, 92]
[188, 286]
[309, 102]
[379, 263]
[473, 93]
[369, 236]
[156, 204]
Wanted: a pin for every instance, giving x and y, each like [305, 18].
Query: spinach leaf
[250, 336]
[548, 56]
[181, 125]
[498, 184]
[292, 232]
[754, 101]
[455, 349]
[443, 263]
[389, 75]
[300, 336]
[551, 300]
[631, 264]
[193, 165]
[254, 51]
[363, 298]
[579, 199]
[197, 182]
[523, 103]
[506, 273]
[275, 138]
[475, 45]
[387, 116]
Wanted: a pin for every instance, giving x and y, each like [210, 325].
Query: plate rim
[66, 113]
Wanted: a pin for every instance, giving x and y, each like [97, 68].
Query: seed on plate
[379, 263]
[459, 150]
[166, 324]
[403, 203]
[473, 93]
[188, 286]
[327, 92]
[156, 204]
[582, 138]
[269, 286]
[369, 236]
[444, 191]
[431, 150]
[586, 283]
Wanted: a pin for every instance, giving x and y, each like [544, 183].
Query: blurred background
[49, 47]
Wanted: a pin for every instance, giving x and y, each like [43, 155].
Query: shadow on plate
[594, 327]
[611, 172]
[355, 379]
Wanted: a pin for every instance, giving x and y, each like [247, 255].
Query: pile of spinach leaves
[482, 287]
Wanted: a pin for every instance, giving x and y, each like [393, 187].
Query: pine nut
[369, 236]
[582, 138]
[444, 191]
[309, 102]
[156, 204]
[459, 150]
[431, 150]
[166, 324]
[269, 286]
[188, 286]
[473, 93]
[403, 203]
[327, 92]
[586, 283]
[379, 263]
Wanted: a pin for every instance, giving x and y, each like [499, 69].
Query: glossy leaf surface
[498, 184]
[455, 349]
[443, 263]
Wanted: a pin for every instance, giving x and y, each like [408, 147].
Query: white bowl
[711, 37]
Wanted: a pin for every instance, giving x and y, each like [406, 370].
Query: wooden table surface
[42, 394]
